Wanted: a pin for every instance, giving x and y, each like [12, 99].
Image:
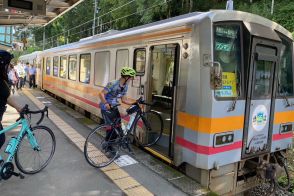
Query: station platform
[68, 173]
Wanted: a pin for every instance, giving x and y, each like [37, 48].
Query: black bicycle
[102, 148]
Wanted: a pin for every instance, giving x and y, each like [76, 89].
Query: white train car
[222, 80]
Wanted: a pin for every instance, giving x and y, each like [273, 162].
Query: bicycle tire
[96, 148]
[30, 169]
[147, 133]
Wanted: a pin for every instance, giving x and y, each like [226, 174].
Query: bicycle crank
[7, 171]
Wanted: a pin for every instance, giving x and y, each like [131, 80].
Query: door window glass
[55, 66]
[227, 51]
[85, 67]
[72, 67]
[122, 60]
[263, 79]
[102, 64]
[48, 66]
[140, 61]
[63, 64]
[285, 71]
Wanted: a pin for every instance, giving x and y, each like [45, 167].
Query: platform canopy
[16, 17]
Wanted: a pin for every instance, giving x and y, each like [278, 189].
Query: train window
[140, 61]
[122, 59]
[227, 51]
[85, 68]
[55, 66]
[48, 65]
[285, 72]
[263, 79]
[72, 67]
[102, 64]
[63, 66]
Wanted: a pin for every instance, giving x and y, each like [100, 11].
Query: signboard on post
[34, 7]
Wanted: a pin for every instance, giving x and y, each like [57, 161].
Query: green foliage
[283, 182]
[78, 22]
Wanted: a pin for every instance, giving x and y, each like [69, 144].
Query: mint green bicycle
[33, 148]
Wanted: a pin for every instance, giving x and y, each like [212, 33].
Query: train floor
[68, 173]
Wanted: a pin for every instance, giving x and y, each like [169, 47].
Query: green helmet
[127, 71]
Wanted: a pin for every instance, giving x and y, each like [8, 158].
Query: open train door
[260, 99]
[161, 91]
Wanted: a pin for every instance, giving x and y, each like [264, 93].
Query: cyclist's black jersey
[4, 94]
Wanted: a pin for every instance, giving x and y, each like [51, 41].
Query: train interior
[163, 61]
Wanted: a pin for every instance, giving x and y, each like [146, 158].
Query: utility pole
[230, 5]
[44, 37]
[272, 8]
[94, 20]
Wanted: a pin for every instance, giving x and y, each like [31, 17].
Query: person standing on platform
[32, 75]
[5, 58]
[21, 74]
[26, 69]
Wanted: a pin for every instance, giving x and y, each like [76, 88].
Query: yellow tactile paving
[136, 191]
[121, 178]
[127, 183]
[116, 174]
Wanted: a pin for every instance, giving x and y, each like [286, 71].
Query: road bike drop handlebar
[25, 111]
[138, 102]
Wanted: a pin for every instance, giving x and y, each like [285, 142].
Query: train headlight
[223, 139]
[285, 128]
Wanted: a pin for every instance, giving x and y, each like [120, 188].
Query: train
[222, 81]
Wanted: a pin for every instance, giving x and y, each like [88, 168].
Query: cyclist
[5, 58]
[109, 97]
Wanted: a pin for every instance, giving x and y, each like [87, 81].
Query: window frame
[116, 60]
[56, 57]
[80, 68]
[242, 85]
[278, 95]
[109, 65]
[76, 57]
[49, 65]
[66, 57]
[135, 61]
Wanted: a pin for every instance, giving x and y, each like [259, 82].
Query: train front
[245, 121]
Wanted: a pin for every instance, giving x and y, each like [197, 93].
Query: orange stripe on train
[224, 124]
[210, 125]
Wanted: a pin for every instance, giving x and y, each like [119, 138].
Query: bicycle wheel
[29, 160]
[148, 128]
[99, 152]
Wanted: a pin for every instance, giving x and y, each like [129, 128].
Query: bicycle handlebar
[25, 110]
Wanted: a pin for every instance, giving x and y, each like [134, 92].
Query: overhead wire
[101, 25]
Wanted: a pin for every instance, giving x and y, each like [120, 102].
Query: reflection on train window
[102, 64]
[55, 66]
[285, 87]
[63, 64]
[85, 68]
[48, 66]
[227, 51]
[263, 79]
[72, 67]
[140, 61]
[122, 59]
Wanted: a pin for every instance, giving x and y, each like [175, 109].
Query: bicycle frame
[14, 145]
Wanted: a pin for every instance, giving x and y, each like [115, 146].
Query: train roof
[186, 19]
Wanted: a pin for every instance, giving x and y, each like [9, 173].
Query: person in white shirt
[21, 74]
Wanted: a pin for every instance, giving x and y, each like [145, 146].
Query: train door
[162, 80]
[43, 72]
[260, 97]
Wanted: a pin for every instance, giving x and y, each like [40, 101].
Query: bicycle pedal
[21, 176]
